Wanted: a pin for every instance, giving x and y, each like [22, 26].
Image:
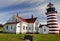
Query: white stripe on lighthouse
[51, 14]
[53, 31]
[51, 20]
[52, 25]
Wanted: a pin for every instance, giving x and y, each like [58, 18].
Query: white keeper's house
[17, 24]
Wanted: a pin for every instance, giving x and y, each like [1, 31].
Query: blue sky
[26, 8]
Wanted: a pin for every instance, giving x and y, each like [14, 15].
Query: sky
[26, 8]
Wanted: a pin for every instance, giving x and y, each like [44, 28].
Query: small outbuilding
[43, 29]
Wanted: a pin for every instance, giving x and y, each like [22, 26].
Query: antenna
[50, 4]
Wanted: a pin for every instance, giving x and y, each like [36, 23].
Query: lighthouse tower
[52, 21]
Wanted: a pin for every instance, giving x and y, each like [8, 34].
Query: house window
[23, 27]
[18, 26]
[29, 28]
[35, 28]
[11, 27]
[7, 27]
[26, 27]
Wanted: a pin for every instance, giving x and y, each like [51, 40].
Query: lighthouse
[52, 20]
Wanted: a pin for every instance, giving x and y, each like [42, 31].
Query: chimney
[32, 16]
[17, 14]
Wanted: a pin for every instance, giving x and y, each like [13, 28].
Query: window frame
[30, 28]
[23, 27]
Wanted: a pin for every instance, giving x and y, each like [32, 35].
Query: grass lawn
[37, 37]
[47, 37]
[11, 37]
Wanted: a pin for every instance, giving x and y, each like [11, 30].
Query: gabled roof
[41, 25]
[30, 20]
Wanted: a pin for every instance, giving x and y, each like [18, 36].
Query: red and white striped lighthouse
[52, 21]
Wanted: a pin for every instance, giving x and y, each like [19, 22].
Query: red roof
[30, 20]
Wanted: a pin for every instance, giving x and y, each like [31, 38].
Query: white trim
[52, 25]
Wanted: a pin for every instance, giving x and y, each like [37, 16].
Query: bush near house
[1, 27]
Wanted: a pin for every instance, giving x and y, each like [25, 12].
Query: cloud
[5, 3]
[25, 8]
[4, 16]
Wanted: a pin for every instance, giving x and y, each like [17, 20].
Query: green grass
[37, 37]
[11, 37]
[47, 37]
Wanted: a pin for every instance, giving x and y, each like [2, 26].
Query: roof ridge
[29, 20]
